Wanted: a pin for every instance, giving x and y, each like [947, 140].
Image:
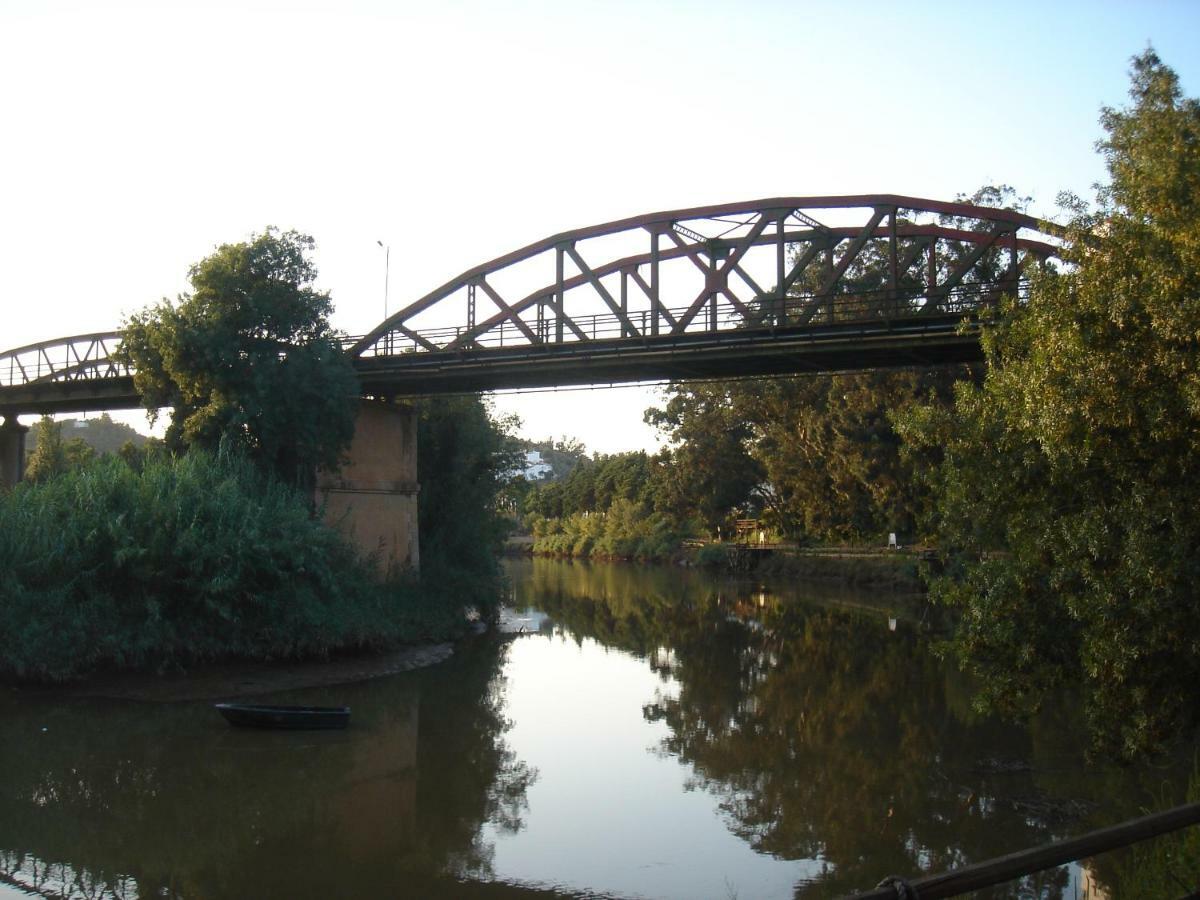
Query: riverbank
[893, 570]
[179, 563]
[219, 681]
[890, 570]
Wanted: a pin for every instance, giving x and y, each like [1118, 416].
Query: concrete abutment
[12, 451]
[372, 498]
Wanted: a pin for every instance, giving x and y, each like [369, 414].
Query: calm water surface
[656, 733]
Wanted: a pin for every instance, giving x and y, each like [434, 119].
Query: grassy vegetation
[625, 530]
[188, 559]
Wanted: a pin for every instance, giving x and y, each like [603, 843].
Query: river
[654, 733]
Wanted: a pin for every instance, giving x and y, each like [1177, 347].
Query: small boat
[307, 717]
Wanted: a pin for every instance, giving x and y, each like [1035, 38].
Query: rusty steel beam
[859, 241]
[612, 304]
[507, 310]
[955, 277]
[692, 252]
[915, 249]
[653, 221]
[1037, 247]
[641, 283]
[717, 280]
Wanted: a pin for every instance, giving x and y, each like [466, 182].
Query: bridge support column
[373, 497]
[12, 451]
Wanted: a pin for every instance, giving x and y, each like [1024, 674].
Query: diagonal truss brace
[508, 313]
[839, 269]
[645, 287]
[954, 278]
[717, 280]
[591, 276]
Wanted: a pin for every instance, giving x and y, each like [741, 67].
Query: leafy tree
[830, 455]
[52, 456]
[711, 471]
[606, 507]
[101, 433]
[462, 457]
[137, 455]
[595, 485]
[818, 456]
[249, 358]
[1080, 453]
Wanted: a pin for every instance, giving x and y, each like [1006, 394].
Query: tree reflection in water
[106, 799]
[824, 734]
[821, 734]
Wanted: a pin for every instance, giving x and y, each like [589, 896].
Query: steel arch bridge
[788, 284]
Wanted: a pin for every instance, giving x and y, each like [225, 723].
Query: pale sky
[137, 136]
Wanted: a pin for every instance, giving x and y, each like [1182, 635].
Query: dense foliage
[192, 558]
[463, 457]
[100, 433]
[249, 358]
[50, 454]
[1079, 456]
[614, 506]
[816, 457]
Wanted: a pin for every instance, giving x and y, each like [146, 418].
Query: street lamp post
[387, 261]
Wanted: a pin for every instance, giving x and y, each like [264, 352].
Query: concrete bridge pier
[12, 451]
[373, 497]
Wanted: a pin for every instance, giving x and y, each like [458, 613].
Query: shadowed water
[656, 733]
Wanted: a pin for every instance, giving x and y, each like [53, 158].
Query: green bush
[190, 559]
[626, 530]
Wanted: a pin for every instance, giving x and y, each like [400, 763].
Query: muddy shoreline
[220, 681]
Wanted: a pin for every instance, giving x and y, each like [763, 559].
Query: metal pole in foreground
[1026, 862]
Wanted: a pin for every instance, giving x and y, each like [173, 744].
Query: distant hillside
[101, 434]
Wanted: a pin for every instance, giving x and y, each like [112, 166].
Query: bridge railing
[89, 357]
[799, 309]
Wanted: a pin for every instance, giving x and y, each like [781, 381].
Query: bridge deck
[837, 347]
[726, 354]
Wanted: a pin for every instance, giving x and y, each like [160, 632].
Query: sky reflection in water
[609, 811]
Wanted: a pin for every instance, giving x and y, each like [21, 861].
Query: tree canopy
[1079, 455]
[816, 455]
[249, 358]
[51, 455]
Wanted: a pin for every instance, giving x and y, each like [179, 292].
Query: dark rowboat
[285, 716]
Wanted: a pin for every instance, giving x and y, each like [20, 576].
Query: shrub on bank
[192, 558]
[624, 531]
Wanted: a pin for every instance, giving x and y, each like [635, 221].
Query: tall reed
[189, 559]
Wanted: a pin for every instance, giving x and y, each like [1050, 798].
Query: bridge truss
[777, 285]
[768, 286]
[72, 374]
